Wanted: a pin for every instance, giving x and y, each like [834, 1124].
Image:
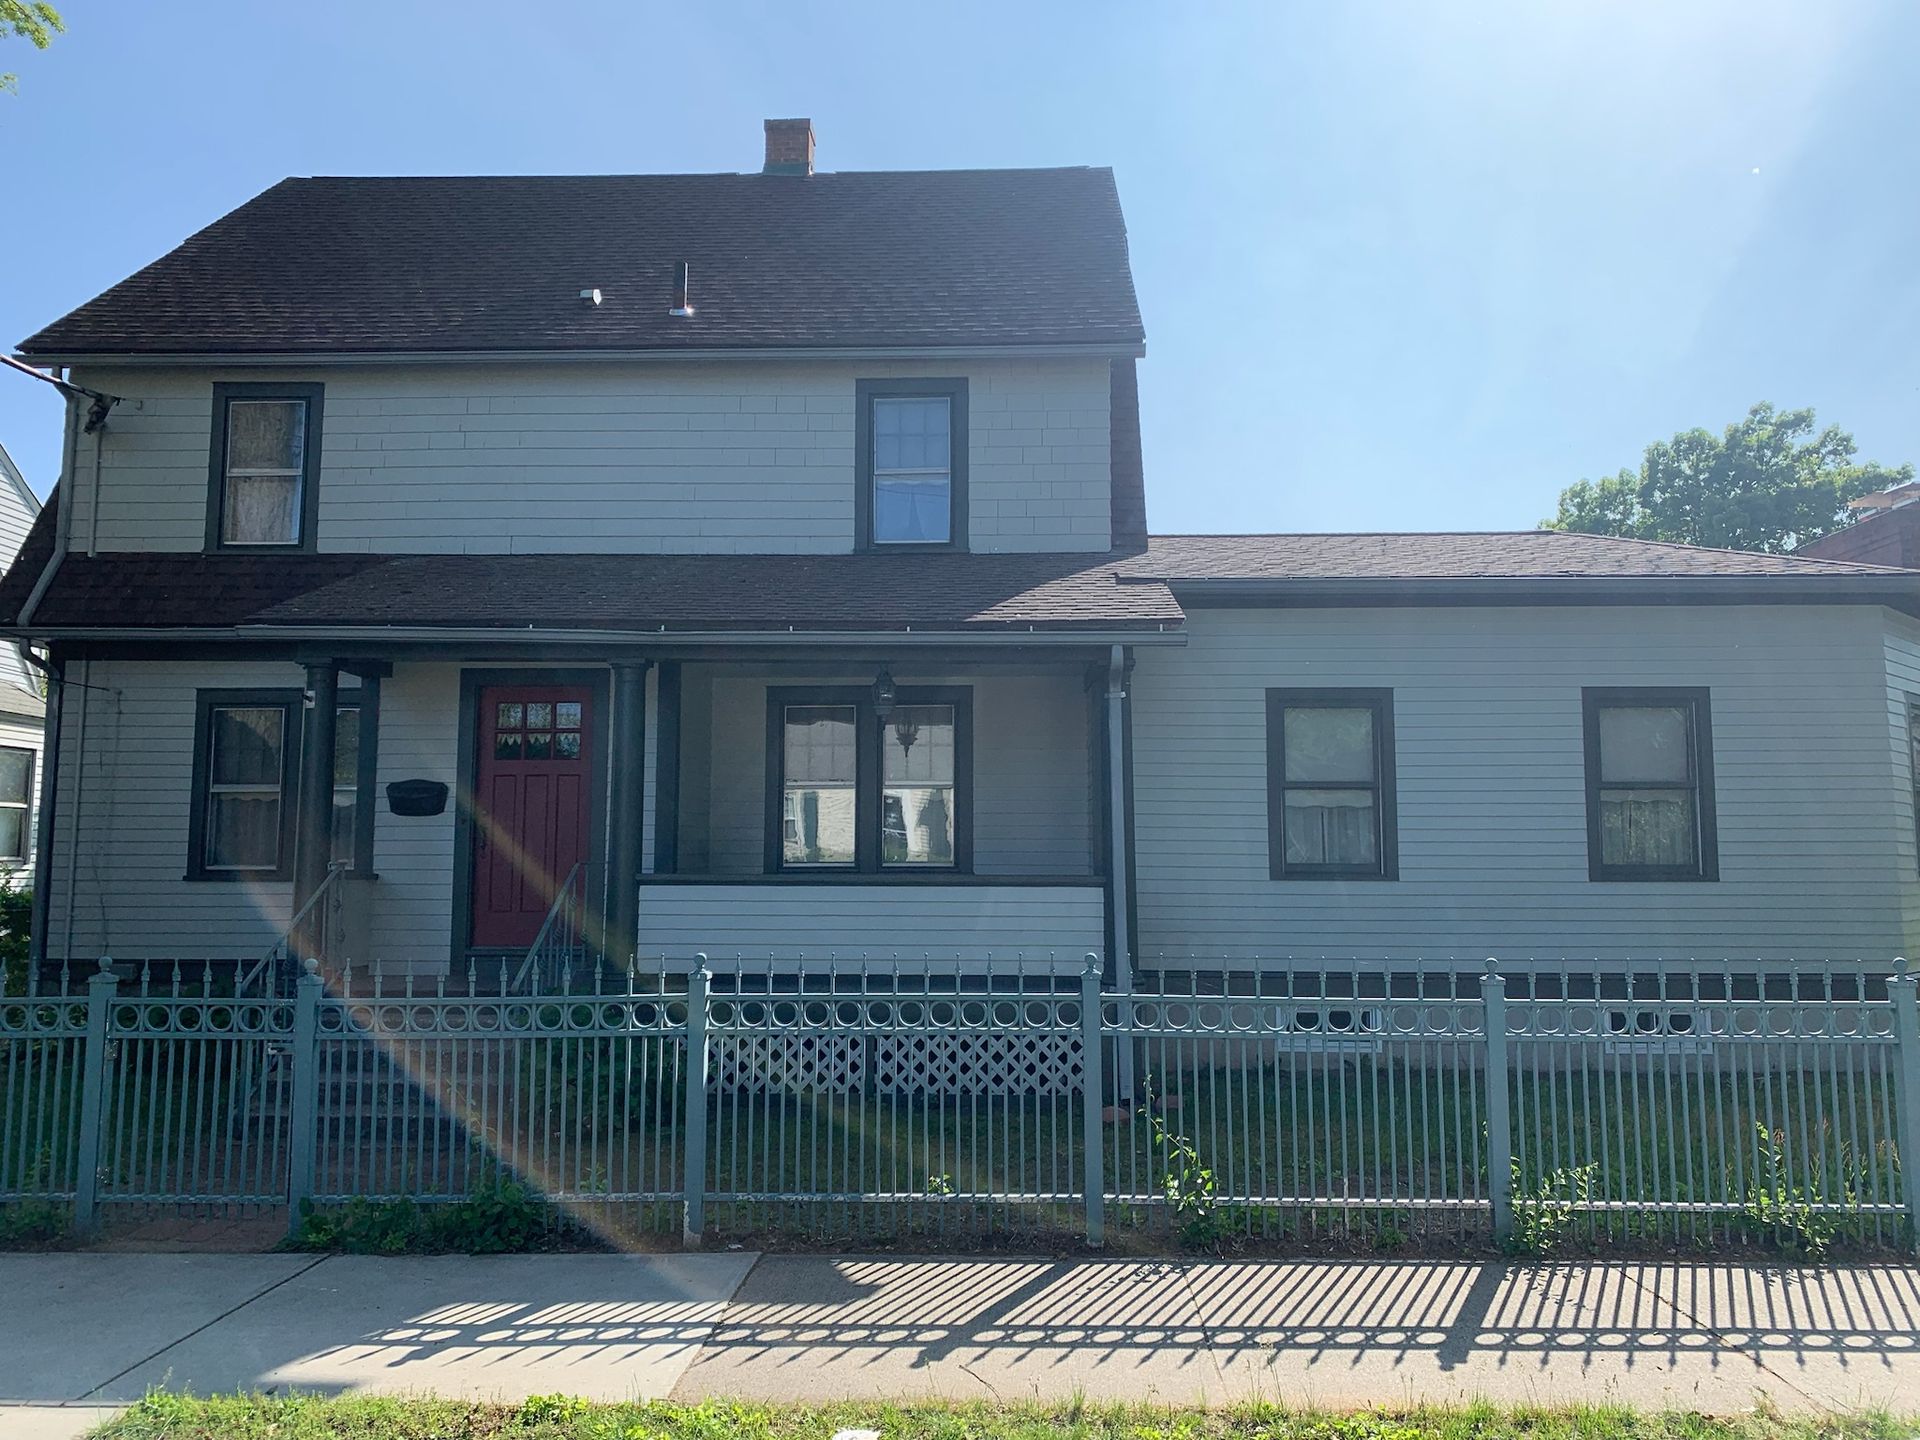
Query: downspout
[1117, 869]
[56, 672]
[62, 521]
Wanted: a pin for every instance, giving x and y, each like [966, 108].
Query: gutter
[1126, 349]
[1889, 588]
[655, 639]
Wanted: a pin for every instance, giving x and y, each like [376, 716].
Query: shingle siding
[1815, 837]
[643, 459]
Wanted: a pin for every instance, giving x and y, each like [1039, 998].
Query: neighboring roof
[16, 482]
[497, 263]
[1463, 555]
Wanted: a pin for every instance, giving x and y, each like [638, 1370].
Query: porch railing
[275, 972]
[1633, 1103]
[557, 947]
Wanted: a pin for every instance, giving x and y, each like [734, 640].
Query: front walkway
[97, 1329]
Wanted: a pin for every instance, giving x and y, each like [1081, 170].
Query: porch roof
[671, 594]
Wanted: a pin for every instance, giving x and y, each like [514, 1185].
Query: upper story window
[263, 491]
[1650, 810]
[1330, 785]
[911, 448]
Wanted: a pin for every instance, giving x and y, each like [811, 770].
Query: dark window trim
[365, 698]
[224, 392]
[1386, 822]
[27, 807]
[865, 392]
[1695, 698]
[867, 787]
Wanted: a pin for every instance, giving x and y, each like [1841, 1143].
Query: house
[22, 711]
[756, 566]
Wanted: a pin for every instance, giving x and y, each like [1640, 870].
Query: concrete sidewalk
[99, 1329]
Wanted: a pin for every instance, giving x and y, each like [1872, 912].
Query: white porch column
[1119, 871]
[627, 811]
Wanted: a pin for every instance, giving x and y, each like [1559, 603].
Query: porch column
[1119, 849]
[313, 832]
[626, 810]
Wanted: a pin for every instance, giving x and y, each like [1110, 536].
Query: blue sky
[1404, 266]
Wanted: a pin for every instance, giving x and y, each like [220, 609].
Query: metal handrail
[282, 947]
[561, 923]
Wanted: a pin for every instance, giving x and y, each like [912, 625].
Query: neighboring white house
[22, 711]
[765, 557]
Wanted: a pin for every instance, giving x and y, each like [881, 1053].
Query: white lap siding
[636, 458]
[1903, 692]
[1815, 825]
[121, 820]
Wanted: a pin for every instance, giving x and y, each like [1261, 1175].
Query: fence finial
[1899, 967]
[1493, 965]
[106, 964]
[311, 965]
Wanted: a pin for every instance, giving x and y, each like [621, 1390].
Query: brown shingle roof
[908, 258]
[672, 593]
[1487, 555]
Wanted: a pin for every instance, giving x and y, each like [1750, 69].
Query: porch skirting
[822, 922]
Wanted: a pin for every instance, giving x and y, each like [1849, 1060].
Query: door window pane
[265, 466]
[819, 777]
[917, 779]
[244, 771]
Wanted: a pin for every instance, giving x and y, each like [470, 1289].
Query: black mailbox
[417, 797]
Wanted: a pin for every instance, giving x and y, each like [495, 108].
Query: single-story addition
[490, 573]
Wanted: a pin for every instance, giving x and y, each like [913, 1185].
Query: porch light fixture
[885, 695]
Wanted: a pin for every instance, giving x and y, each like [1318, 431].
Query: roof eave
[1898, 590]
[1093, 349]
[1168, 632]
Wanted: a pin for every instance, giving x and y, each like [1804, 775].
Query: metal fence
[1536, 1103]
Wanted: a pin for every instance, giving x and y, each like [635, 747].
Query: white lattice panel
[981, 1063]
[821, 1060]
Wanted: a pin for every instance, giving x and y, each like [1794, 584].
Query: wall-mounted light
[885, 695]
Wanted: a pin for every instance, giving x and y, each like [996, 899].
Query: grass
[171, 1417]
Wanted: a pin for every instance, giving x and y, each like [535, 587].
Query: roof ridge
[1811, 561]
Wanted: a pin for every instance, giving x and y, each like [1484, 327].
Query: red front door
[532, 807]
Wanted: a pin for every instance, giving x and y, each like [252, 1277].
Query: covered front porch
[418, 814]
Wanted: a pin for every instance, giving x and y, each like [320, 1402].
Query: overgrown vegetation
[501, 1216]
[171, 1417]
[16, 933]
[33, 1225]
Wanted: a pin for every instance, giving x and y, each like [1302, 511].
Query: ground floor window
[16, 802]
[861, 784]
[1650, 810]
[1330, 785]
[246, 785]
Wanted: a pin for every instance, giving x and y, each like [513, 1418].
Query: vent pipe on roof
[682, 306]
[789, 148]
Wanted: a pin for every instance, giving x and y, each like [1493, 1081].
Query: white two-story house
[756, 566]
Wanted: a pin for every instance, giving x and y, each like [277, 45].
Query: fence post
[1092, 1101]
[101, 986]
[1493, 995]
[699, 987]
[303, 1117]
[1906, 1033]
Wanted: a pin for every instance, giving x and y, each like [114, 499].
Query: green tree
[30, 20]
[1770, 483]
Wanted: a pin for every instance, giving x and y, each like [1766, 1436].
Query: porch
[434, 816]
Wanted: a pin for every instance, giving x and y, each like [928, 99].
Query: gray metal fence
[1666, 1102]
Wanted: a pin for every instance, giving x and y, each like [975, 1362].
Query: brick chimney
[789, 148]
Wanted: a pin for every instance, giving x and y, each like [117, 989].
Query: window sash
[16, 816]
[1624, 839]
[889, 814]
[1290, 830]
[234, 792]
[911, 468]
